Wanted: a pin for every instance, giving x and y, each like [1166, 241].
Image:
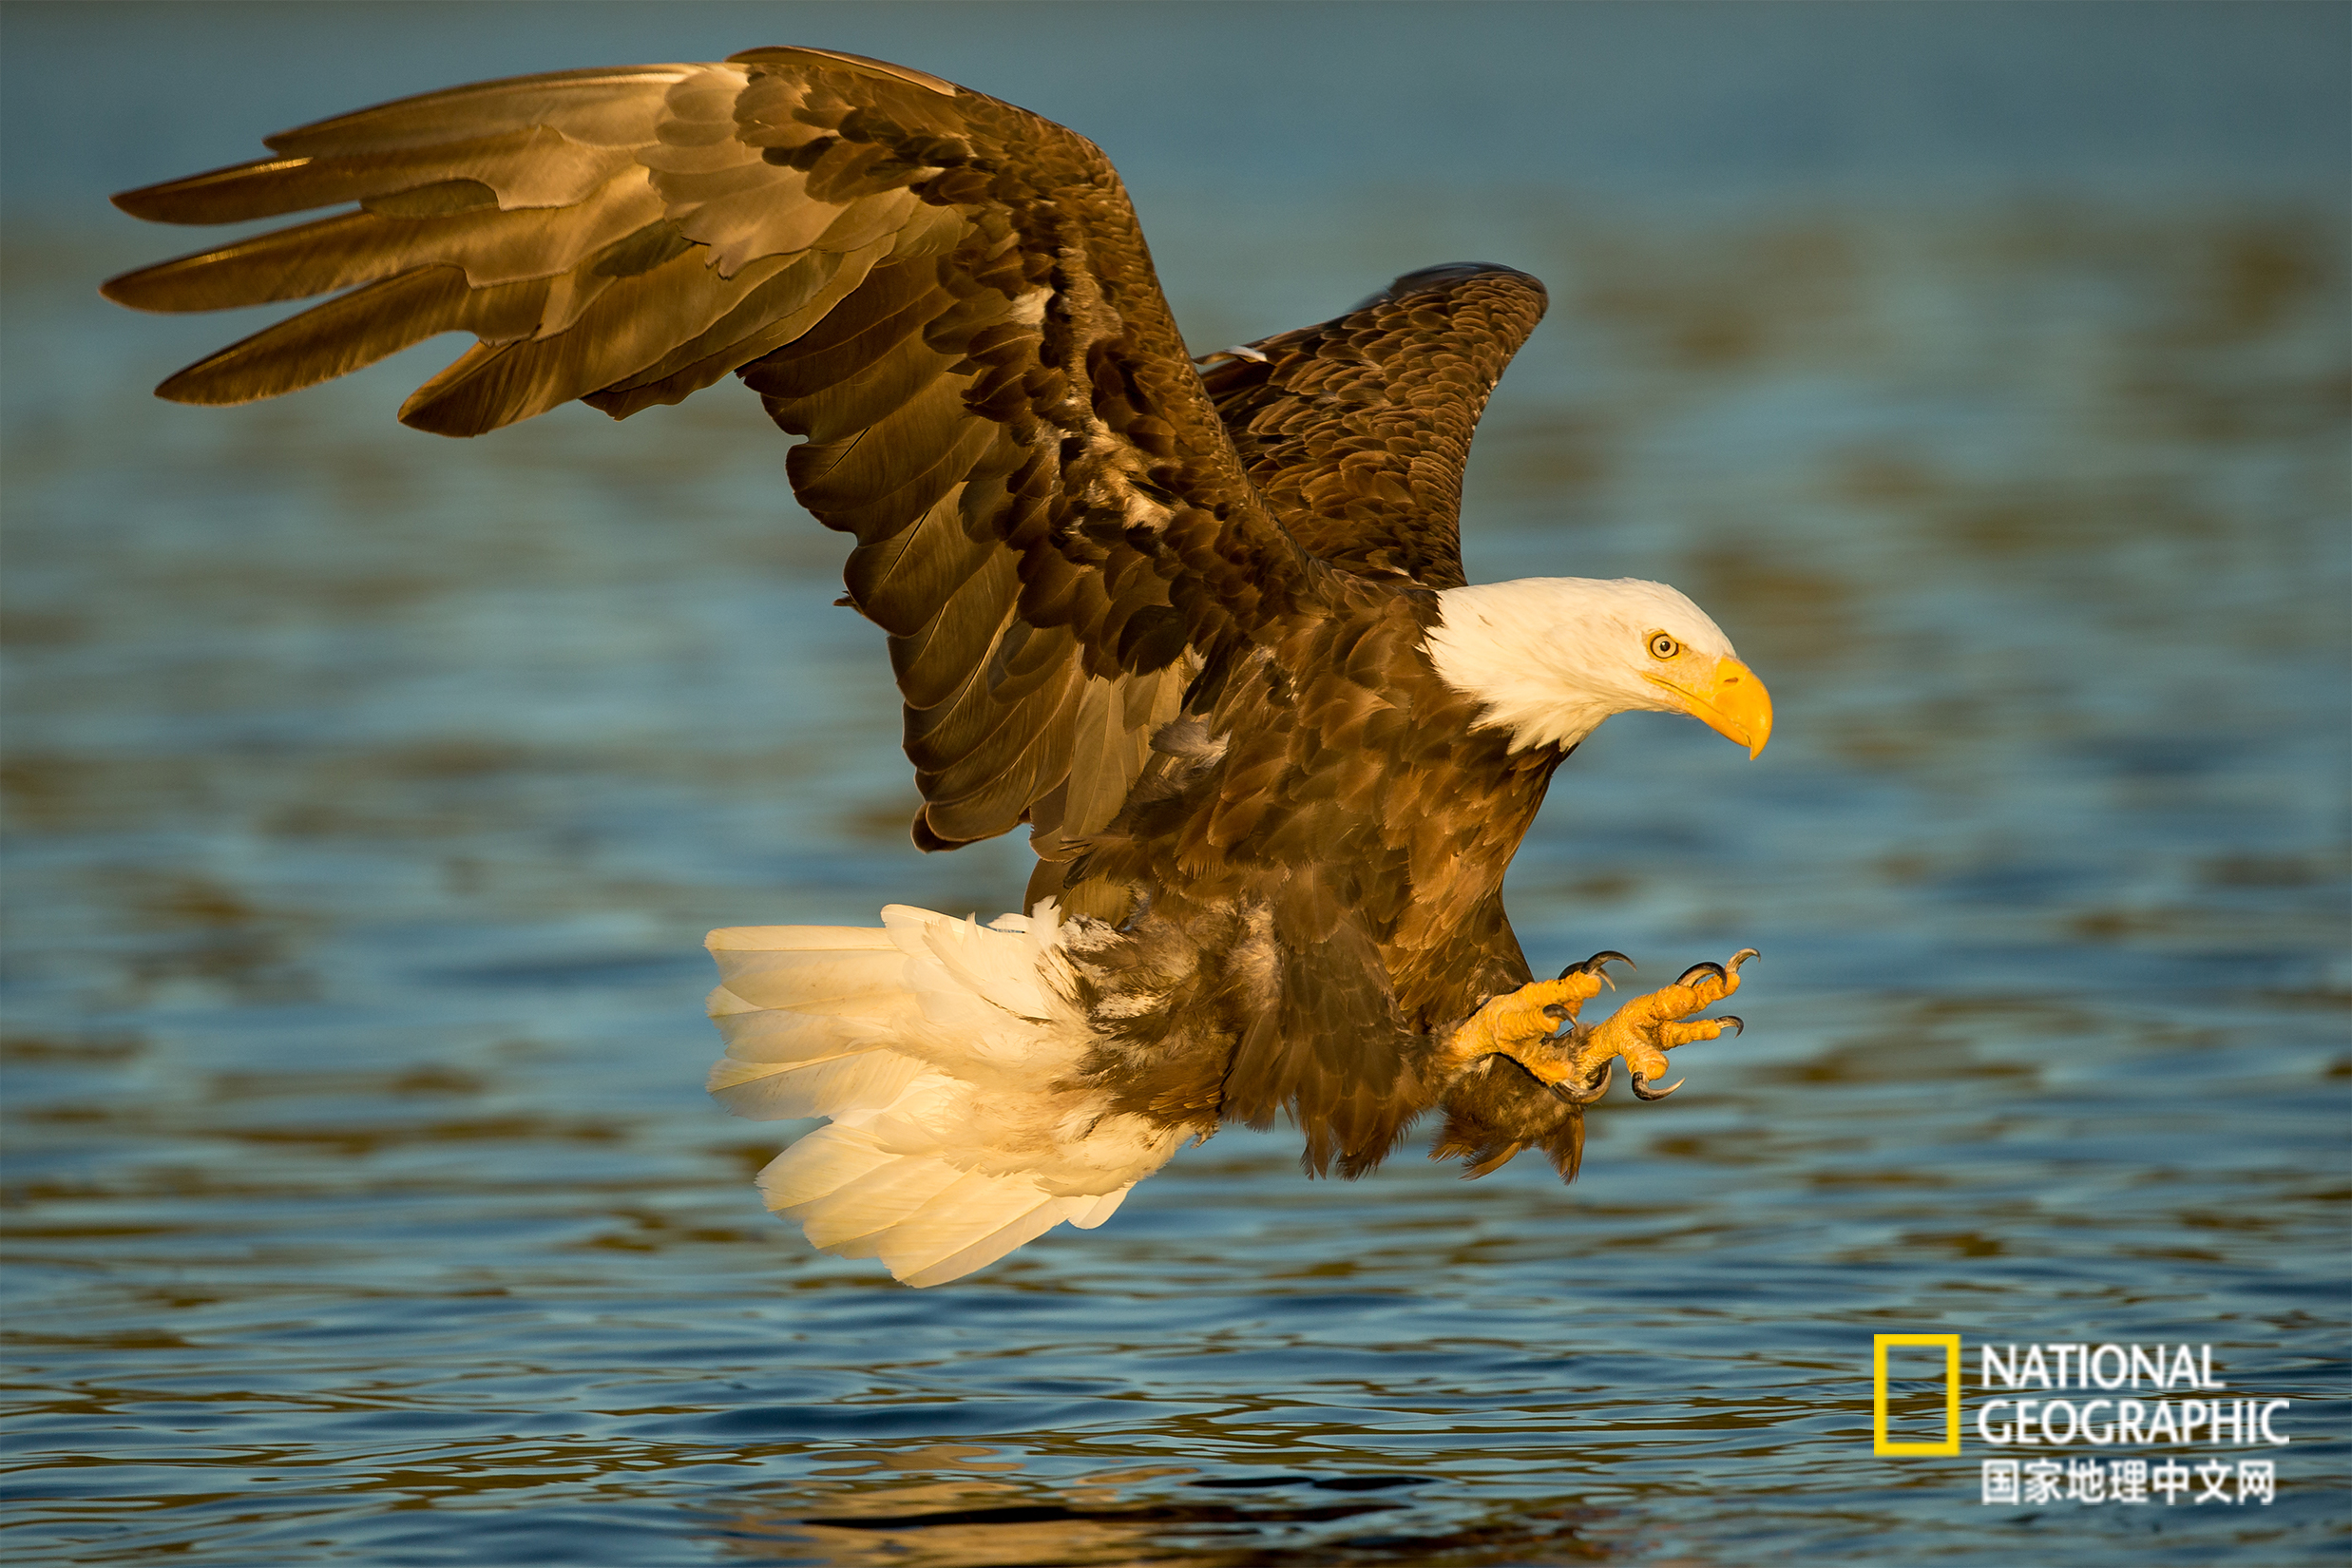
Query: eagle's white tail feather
[821, 1163]
[976, 966]
[811, 981]
[1100, 1209]
[992, 1246]
[833, 1088]
[971, 1206]
[935, 1046]
[875, 1202]
[780, 1034]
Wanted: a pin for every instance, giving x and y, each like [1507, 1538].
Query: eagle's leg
[1646, 1027]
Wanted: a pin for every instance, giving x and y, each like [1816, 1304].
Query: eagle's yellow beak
[1732, 701]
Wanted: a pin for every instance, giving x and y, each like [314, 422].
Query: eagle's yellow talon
[1672, 1035]
[1646, 1027]
[1528, 1024]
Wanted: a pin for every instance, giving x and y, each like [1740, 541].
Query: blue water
[1983, 370]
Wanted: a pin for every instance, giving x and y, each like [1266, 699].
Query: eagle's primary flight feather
[1204, 631]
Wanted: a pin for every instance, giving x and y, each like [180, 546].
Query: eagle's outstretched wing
[946, 295]
[1355, 431]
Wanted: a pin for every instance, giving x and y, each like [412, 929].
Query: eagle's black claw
[1641, 1088]
[1591, 1090]
[1739, 1024]
[1709, 967]
[1598, 965]
[1743, 956]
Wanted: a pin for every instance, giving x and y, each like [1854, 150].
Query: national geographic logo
[2084, 1397]
[1950, 1442]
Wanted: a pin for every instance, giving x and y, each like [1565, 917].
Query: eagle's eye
[1663, 646]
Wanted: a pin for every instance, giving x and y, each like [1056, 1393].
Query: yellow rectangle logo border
[1879, 1442]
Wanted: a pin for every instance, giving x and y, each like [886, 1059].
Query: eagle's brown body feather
[1310, 869]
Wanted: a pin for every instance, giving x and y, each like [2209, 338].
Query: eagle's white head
[1549, 657]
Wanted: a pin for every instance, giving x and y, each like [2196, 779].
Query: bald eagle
[1201, 625]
